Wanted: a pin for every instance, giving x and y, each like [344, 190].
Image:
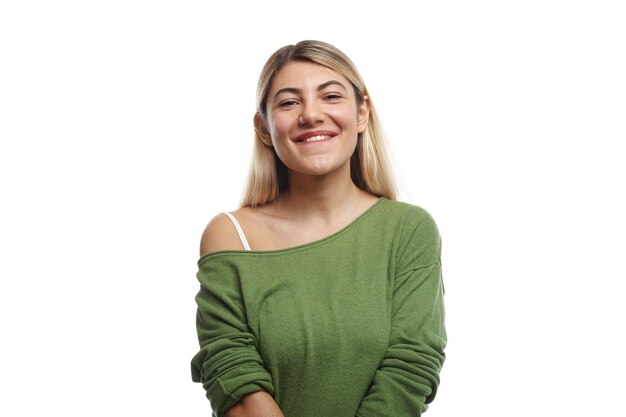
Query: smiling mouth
[317, 138]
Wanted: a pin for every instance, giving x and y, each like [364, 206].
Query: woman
[322, 295]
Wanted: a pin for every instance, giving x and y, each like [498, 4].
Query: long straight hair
[369, 165]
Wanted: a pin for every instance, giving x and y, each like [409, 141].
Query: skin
[322, 199]
[257, 404]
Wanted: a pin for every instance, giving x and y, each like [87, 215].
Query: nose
[311, 113]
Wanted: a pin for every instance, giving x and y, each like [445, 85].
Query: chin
[319, 167]
[322, 170]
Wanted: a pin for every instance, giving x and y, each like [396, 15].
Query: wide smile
[313, 137]
[317, 138]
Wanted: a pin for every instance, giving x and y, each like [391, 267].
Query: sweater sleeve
[408, 375]
[228, 363]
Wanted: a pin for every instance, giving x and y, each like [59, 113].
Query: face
[313, 119]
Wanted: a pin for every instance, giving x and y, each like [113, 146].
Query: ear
[261, 129]
[363, 114]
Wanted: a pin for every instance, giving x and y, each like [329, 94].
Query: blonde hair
[369, 165]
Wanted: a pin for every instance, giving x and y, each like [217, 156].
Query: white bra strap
[242, 237]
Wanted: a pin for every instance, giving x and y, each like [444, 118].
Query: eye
[332, 97]
[288, 103]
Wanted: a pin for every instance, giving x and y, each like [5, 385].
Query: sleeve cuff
[227, 390]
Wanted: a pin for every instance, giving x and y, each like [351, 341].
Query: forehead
[300, 74]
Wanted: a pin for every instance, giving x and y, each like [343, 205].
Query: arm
[408, 376]
[257, 404]
[228, 364]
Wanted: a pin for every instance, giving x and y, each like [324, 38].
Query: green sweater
[349, 325]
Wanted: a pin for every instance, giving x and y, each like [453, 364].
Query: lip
[307, 135]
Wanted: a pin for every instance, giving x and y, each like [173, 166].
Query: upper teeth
[316, 138]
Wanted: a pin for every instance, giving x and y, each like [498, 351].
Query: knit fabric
[351, 325]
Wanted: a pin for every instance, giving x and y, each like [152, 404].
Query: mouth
[310, 137]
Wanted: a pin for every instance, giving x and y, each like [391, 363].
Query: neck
[323, 196]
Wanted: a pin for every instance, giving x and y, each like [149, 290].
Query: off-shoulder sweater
[351, 325]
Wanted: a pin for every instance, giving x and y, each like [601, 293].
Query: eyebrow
[321, 87]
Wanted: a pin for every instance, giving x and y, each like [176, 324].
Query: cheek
[346, 118]
[281, 126]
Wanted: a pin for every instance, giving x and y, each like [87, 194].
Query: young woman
[322, 295]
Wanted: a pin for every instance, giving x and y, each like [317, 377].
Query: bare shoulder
[220, 234]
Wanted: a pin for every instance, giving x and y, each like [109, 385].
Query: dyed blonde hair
[369, 165]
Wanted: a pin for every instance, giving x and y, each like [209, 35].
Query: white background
[126, 125]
